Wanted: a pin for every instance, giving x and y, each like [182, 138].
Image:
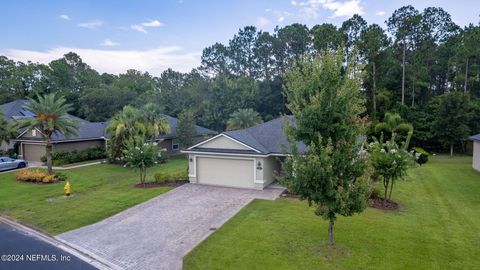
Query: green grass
[438, 227]
[98, 191]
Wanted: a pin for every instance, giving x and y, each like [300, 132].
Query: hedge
[66, 157]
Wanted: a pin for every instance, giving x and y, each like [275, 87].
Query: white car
[7, 163]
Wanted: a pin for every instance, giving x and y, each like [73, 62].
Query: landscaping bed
[173, 183]
[381, 203]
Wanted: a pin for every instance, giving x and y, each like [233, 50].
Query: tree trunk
[49, 155]
[451, 150]
[466, 77]
[374, 90]
[403, 73]
[385, 186]
[330, 231]
[391, 188]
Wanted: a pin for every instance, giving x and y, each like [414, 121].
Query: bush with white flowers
[141, 155]
[390, 162]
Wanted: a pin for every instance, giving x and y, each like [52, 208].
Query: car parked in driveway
[7, 163]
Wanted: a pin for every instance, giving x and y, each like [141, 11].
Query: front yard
[98, 192]
[437, 227]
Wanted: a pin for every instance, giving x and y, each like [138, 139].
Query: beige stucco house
[476, 152]
[247, 158]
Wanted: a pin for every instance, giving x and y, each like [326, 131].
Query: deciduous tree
[326, 107]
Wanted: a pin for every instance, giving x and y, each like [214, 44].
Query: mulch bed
[288, 194]
[381, 203]
[175, 183]
[40, 183]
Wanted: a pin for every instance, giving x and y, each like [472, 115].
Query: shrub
[39, 176]
[48, 179]
[166, 177]
[60, 158]
[161, 178]
[421, 156]
[31, 175]
[376, 193]
[61, 176]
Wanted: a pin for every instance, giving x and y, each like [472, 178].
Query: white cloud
[91, 24]
[380, 13]
[141, 27]
[262, 21]
[108, 42]
[154, 23]
[311, 9]
[294, 3]
[65, 17]
[279, 15]
[117, 61]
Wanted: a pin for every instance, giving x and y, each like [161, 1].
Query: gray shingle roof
[87, 130]
[268, 138]
[173, 122]
[475, 137]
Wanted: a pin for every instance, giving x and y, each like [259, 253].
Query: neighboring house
[476, 152]
[31, 143]
[171, 144]
[247, 158]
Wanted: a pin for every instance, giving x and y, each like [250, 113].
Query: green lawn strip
[98, 191]
[437, 227]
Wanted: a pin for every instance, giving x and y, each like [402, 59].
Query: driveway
[158, 233]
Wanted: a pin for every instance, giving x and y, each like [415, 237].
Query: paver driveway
[158, 233]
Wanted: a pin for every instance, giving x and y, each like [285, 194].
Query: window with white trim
[34, 132]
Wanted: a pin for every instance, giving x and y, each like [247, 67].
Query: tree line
[422, 66]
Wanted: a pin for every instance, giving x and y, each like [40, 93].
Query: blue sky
[149, 35]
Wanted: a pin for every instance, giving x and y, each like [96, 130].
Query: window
[175, 145]
[34, 132]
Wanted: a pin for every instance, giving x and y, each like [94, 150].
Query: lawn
[98, 191]
[438, 227]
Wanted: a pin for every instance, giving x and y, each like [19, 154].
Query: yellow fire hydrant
[67, 188]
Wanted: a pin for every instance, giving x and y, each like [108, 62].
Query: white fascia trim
[226, 136]
[63, 141]
[222, 154]
[27, 130]
[233, 154]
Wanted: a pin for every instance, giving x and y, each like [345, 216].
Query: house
[169, 141]
[247, 158]
[476, 152]
[31, 143]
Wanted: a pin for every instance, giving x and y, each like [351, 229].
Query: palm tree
[131, 124]
[51, 116]
[123, 126]
[155, 123]
[243, 118]
[394, 124]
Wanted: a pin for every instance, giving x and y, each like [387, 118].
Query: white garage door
[225, 172]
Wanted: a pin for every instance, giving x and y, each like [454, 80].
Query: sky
[153, 35]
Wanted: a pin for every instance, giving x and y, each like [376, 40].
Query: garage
[33, 152]
[232, 172]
